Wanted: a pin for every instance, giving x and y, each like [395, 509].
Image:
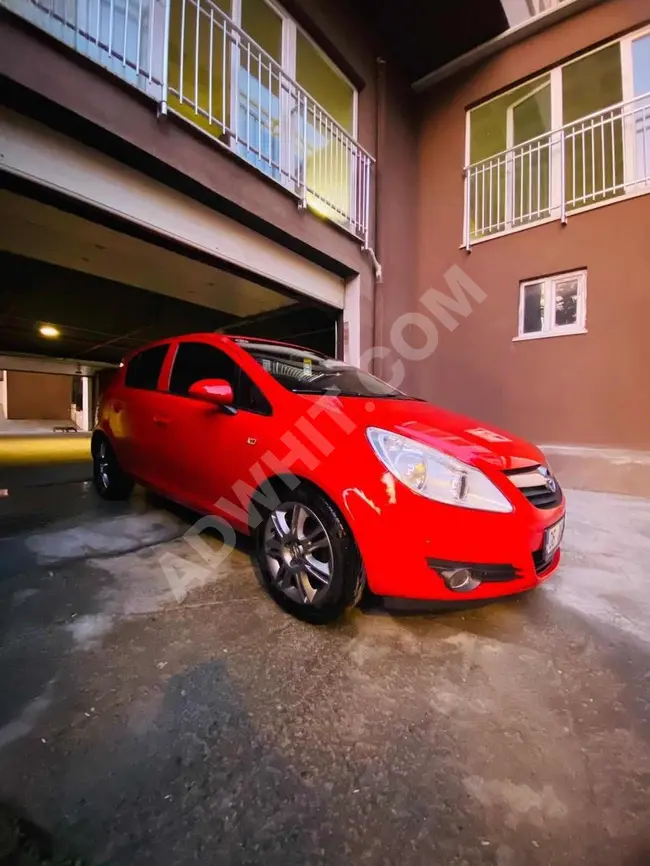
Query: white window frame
[510, 158]
[352, 183]
[549, 287]
[557, 123]
[288, 62]
[630, 168]
[289, 97]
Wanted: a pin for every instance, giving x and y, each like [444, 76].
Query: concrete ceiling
[423, 36]
[42, 232]
[108, 293]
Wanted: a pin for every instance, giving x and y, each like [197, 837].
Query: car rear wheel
[308, 559]
[111, 481]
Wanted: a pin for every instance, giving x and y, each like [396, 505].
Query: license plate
[553, 538]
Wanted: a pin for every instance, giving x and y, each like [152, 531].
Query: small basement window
[552, 306]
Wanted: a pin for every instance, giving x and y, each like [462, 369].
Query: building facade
[235, 135]
[534, 170]
[315, 171]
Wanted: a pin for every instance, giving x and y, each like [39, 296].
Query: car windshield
[305, 372]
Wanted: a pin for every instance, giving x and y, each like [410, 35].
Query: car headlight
[436, 475]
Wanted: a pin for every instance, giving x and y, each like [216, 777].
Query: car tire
[308, 559]
[111, 481]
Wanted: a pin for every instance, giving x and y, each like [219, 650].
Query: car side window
[196, 361]
[143, 370]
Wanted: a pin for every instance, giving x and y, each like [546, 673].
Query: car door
[137, 413]
[209, 451]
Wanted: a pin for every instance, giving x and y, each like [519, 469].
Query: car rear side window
[196, 361]
[144, 369]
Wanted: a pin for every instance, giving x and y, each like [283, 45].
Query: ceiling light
[49, 331]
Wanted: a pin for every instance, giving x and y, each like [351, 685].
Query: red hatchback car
[341, 479]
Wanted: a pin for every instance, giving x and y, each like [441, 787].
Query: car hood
[471, 441]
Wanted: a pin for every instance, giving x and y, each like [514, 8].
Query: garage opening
[40, 402]
[85, 294]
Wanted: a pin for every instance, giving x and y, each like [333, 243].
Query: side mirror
[218, 392]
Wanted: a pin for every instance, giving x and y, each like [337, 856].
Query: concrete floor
[43, 427]
[44, 459]
[138, 729]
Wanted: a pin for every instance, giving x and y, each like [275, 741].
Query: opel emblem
[550, 482]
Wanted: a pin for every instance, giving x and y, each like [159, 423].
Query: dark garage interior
[108, 293]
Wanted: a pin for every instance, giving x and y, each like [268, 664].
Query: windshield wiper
[363, 394]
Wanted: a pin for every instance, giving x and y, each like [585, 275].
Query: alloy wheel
[298, 552]
[103, 465]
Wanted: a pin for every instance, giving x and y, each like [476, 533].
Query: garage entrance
[77, 289]
[99, 259]
[111, 259]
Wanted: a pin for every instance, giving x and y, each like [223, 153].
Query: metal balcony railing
[197, 63]
[595, 160]
[124, 36]
[227, 85]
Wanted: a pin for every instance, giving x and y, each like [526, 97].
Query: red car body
[214, 461]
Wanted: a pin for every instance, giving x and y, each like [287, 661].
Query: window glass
[250, 397]
[263, 25]
[103, 24]
[641, 65]
[324, 83]
[306, 372]
[593, 151]
[489, 122]
[641, 116]
[554, 305]
[533, 308]
[259, 88]
[201, 92]
[592, 83]
[329, 168]
[530, 118]
[196, 361]
[502, 184]
[144, 369]
[566, 302]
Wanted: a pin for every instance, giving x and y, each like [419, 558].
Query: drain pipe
[380, 127]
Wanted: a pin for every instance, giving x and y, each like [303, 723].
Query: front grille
[542, 497]
[537, 493]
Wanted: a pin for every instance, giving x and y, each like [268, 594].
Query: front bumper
[407, 541]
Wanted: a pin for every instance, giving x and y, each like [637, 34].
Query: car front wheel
[308, 559]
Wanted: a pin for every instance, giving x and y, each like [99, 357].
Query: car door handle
[160, 422]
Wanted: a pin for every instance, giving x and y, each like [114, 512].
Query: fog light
[461, 580]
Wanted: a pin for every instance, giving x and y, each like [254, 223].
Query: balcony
[197, 63]
[596, 160]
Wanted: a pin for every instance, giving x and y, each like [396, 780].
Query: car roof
[257, 341]
[218, 338]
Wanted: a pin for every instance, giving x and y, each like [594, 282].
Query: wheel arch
[282, 489]
[95, 441]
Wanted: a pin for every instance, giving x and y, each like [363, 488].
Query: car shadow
[370, 604]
